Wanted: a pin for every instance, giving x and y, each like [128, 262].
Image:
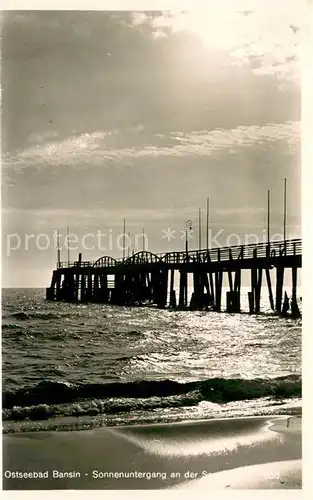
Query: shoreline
[194, 413]
[187, 454]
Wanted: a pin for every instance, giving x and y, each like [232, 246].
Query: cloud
[202, 74]
[106, 146]
[265, 36]
[39, 137]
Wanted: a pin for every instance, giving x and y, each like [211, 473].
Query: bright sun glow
[269, 32]
[214, 28]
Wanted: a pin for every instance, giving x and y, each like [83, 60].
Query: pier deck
[148, 278]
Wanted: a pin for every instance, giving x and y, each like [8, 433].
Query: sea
[79, 366]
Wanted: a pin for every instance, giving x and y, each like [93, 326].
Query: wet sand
[246, 453]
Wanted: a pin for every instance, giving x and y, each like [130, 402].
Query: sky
[142, 116]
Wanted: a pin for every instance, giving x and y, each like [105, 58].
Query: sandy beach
[247, 453]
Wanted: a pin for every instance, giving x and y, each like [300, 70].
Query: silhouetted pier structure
[149, 279]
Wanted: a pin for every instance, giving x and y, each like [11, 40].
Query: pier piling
[183, 290]
[295, 313]
[269, 286]
[258, 286]
[218, 290]
[279, 287]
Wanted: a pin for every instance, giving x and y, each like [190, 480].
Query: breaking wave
[50, 399]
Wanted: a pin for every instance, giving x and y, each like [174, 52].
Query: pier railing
[218, 254]
[252, 251]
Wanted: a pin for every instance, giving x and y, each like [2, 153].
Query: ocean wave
[22, 316]
[96, 407]
[10, 326]
[146, 392]
[44, 316]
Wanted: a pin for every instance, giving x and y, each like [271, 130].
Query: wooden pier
[149, 279]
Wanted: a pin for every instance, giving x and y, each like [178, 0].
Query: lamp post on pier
[68, 245]
[200, 229]
[188, 227]
[58, 251]
[285, 212]
[207, 222]
[268, 222]
[124, 236]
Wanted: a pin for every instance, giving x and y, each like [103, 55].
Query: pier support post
[233, 296]
[183, 290]
[71, 290]
[229, 302]
[89, 287]
[147, 291]
[207, 297]
[251, 295]
[211, 288]
[142, 287]
[279, 287]
[104, 292]
[95, 294]
[232, 302]
[197, 299]
[230, 281]
[51, 292]
[172, 291]
[162, 288]
[129, 291]
[154, 286]
[83, 288]
[258, 286]
[295, 312]
[118, 292]
[76, 286]
[58, 285]
[237, 287]
[218, 289]
[269, 286]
